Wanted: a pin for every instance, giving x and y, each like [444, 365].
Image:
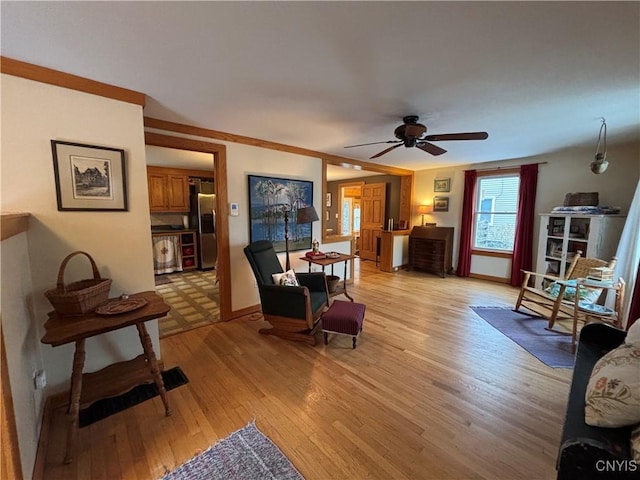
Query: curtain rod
[507, 168]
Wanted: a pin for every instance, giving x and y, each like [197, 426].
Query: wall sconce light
[424, 210]
[600, 164]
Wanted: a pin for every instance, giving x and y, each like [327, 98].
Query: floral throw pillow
[286, 279]
[587, 295]
[635, 444]
[633, 334]
[613, 392]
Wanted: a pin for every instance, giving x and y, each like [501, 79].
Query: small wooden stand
[323, 262]
[114, 379]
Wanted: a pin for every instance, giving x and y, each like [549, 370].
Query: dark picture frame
[442, 185]
[89, 177]
[440, 204]
[269, 197]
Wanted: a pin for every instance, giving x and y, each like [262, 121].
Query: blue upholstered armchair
[293, 311]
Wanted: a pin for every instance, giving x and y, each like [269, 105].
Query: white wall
[566, 171]
[33, 114]
[23, 349]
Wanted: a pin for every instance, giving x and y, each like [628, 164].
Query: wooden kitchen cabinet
[168, 191]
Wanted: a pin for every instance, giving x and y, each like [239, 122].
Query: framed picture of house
[442, 185]
[89, 177]
[269, 199]
[440, 204]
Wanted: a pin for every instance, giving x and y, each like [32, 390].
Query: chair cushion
[587, 295]
[613, 393]
[318, 301]
[287, 279]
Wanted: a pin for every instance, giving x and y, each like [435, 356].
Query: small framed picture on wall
[440, 204]
[442, 185]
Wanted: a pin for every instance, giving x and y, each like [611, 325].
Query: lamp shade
[424, 209]
[306, 215]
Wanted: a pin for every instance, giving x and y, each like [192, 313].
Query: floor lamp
[303, 215]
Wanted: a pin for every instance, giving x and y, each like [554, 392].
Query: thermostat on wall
[234, 210]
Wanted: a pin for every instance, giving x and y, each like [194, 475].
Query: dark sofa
[588, 452]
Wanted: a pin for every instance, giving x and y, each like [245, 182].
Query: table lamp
[424, 210]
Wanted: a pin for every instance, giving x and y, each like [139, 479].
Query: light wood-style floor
[431, 392]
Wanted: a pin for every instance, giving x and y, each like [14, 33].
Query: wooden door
[372, 215]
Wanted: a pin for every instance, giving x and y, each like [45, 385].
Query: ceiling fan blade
[386, 150]
[430, 148]
[374, 143]
[457, 136]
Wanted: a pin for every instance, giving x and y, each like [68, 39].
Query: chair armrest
[293, 302]
[545, 275]
[314, 281]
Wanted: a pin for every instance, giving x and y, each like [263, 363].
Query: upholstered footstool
[345, 318]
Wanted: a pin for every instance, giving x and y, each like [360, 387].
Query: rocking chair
[293, 311]
[552, 303]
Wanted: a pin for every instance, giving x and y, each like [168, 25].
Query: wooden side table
[324, 262]
[114, 379]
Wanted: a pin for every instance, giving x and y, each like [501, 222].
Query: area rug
[194, 298]
[161, 280]
[104, 408]
[551, 348]
[246, 454]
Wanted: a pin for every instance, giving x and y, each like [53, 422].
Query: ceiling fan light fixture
[600, 164]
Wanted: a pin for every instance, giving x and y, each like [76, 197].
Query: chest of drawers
[430, 249]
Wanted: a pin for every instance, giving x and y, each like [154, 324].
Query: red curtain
[466, 227]
[523, 242]
[634, 307]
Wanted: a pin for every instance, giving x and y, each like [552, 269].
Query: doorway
[220, 174]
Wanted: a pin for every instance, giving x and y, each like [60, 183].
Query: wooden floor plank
[431, 391]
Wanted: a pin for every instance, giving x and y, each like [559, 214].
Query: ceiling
[537, 76]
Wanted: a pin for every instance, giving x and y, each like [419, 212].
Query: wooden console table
[114, 379]
[324, 262]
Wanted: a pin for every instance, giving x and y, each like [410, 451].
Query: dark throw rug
[246, 454]
[162, 280]
[551, 348]
[172, 378]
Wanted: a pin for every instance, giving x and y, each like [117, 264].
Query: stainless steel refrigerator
[204, 221]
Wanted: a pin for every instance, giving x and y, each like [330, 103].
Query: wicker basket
[332, 283]
[581, 199]
[79, 297]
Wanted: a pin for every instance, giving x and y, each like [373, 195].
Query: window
[495, 215]
[346, 216]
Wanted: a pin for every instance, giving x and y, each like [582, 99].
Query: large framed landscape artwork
[269, 198]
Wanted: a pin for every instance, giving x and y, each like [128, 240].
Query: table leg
[153, 364]
[74, 399]
[345, 284]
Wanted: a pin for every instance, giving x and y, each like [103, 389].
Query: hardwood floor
[431, 392]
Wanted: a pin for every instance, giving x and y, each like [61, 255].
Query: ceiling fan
[410, 134]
